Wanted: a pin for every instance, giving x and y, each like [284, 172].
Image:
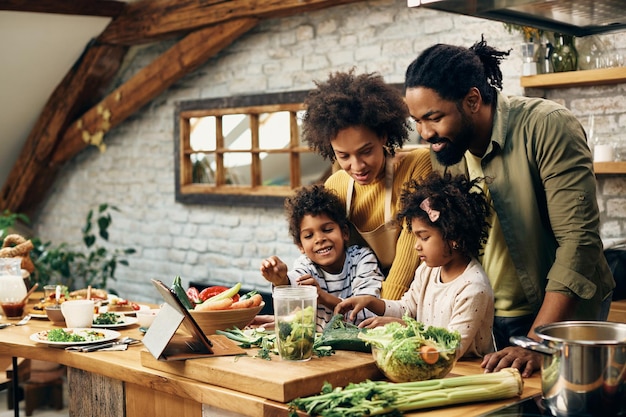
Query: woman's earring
[455, 246]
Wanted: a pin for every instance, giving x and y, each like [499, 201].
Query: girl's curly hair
[313, 200]
[347, 100]
[463, 209]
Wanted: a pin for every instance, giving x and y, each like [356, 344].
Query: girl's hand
[372, 322]
[275, 271]
[353, 304]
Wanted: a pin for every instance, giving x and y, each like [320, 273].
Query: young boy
[319, 227]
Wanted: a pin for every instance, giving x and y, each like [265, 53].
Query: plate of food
[112, 320]
[36, 314]
[72, 337]
[121, 305]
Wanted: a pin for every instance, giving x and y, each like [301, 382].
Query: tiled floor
[39, 412]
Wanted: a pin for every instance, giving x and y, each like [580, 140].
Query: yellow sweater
[368, 212]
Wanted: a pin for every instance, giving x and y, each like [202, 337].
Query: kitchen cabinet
[601, 76]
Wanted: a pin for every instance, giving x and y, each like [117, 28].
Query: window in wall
[244, 150]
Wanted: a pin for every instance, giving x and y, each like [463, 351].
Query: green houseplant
[92, 266]
[75, 267]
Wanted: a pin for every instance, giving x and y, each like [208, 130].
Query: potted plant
[74, 267]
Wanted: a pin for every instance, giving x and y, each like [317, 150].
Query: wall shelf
[575, 78]
[602, 76]
[604, 168]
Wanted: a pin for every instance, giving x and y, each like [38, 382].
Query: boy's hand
[275, 271]
[308, 280]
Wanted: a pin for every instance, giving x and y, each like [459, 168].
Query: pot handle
[530, 344]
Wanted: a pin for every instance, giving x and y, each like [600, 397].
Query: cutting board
[275, 379]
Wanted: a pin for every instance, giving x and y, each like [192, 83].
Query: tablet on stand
[175, 335]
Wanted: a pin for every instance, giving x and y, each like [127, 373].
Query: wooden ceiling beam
[31, 175]
[101, 8]
[150, 20]
[181, 59]
[216, 23]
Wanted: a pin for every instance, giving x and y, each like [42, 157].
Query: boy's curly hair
[313, 200]
[347, 100]
[463, 209]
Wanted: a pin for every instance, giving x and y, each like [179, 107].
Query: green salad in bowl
[413, 352]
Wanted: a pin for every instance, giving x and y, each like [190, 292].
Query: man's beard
[453, 152]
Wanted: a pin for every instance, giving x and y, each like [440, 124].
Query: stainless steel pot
[584, 367]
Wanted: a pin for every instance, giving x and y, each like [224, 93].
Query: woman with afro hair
[361, 122]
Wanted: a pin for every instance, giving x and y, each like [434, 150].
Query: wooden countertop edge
[130, 370]
[126, 366]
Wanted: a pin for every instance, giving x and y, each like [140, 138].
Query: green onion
[381, 397]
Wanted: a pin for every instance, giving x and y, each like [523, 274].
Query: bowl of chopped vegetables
[413, 352]
[213, 320]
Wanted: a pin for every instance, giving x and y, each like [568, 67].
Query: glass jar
[591, 52]
[529, 65]
[564, 55]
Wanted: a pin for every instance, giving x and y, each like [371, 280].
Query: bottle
[564, 55]
[542, 56]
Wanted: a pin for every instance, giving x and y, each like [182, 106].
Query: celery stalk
[375, 398]
[229, 293]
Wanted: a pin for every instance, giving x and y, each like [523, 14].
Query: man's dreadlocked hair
[349, 100]
[452, 70]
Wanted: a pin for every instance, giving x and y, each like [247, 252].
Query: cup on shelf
[603, 153]
[78, 313]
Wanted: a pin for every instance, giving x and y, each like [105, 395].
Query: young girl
[450, 289]
[318, 226]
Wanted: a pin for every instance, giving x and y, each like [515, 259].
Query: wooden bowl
[210, 321]
[54, 314]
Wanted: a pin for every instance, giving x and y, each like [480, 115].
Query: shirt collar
[500, 121]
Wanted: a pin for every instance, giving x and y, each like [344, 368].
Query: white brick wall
[226, 244]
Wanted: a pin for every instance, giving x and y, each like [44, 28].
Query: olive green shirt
[543, 190]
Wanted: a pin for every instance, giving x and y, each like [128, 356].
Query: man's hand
[522, 359]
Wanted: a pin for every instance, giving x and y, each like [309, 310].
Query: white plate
[126, 321]
[38, 316]
[108, 336]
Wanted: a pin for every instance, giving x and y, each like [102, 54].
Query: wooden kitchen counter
[148, 391]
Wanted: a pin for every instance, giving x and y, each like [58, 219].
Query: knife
[92, 348]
